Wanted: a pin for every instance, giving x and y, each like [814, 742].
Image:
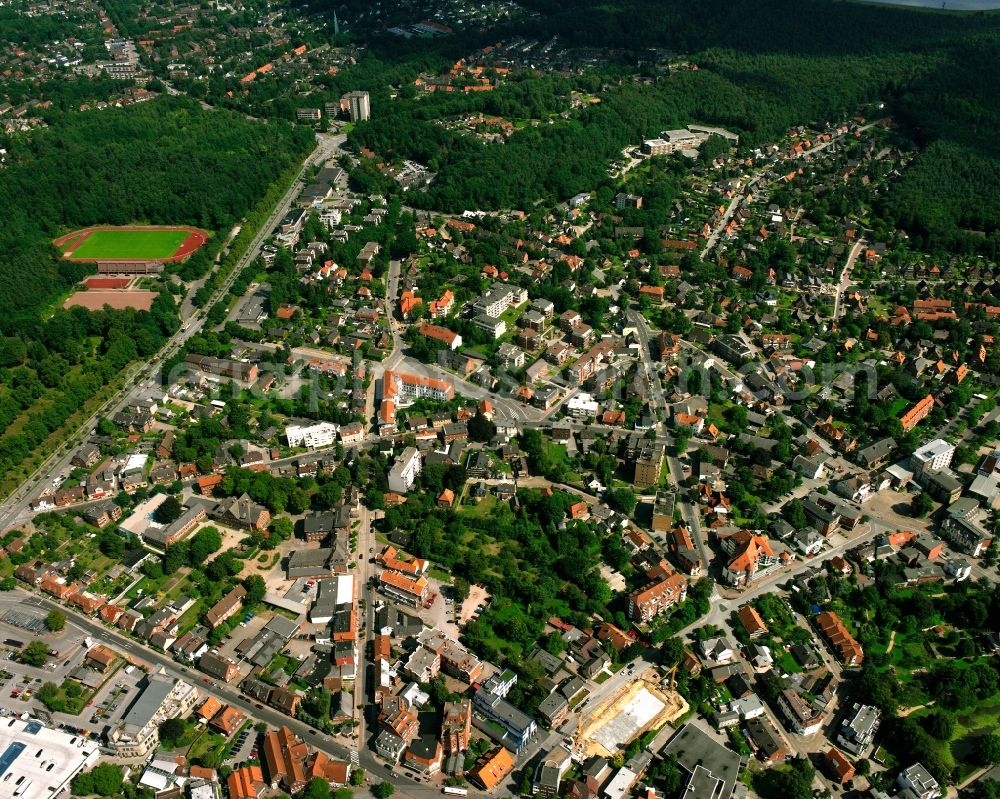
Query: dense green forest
[163, 162]
[761, 70]
[38, 30]
[167, 161]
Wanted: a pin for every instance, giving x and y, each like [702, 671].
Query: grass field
[898, 406]
[128, 244]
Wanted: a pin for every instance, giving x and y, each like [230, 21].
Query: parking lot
[244, 747]
[441, 611]
[477, 599]
[19, 682]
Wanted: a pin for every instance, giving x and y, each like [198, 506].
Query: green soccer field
[129, 244]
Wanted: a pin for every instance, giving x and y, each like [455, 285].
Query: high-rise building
[358, 105]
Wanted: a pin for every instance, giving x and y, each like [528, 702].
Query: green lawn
[787, 662]
[898, 406]
[483, 508]
[124, 244]
[206, 741]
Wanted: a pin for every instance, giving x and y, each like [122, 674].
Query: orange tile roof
[246, 783]
[751, 620]
[492, 768]
[284, 753]
[613, 417]
[207, 483]
[750, 547]
[228, 719]
[101, 654]
[438, 333]
[387, 411]
[671, 588]
[614, 635]
[416, 587]
[836, 633]
[209, 708]
[336, 772]
[931, 304]
[442, 305]
[916, 414]
[407, 302]
[390, 387]
[389, 557]
[841, 767]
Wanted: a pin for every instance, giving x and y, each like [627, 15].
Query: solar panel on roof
[10, 755]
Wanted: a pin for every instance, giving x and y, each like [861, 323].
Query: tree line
[166, 161]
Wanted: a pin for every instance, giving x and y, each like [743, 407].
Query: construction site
[640, 705]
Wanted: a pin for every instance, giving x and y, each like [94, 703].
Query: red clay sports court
[96, 283]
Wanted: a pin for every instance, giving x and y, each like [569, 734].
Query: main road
[153, 659]
[655, 393]
[144, 376]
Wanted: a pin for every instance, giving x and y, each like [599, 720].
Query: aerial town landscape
[424, 397]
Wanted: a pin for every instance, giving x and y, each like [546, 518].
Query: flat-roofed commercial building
[38, 762]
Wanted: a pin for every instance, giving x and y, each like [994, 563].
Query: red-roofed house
[840, 640]
[447, 337]
[442, 307]
[654, 293]
[839, 768]
[751, 621]
[407, 302]
[749, 553]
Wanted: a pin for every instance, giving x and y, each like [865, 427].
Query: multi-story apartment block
[932, 457]
[161, 698]
[402, 388]
[314, 436]
[499, 298]
[403, 473]
[358, 105]
[647, 603]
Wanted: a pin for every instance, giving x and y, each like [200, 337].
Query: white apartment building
[314, 436]
[490, 324]
[404, 388]
[932, 457]
[403, 473]
[657, 147]
[582, 406]
[499, 298]
[358, 105]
